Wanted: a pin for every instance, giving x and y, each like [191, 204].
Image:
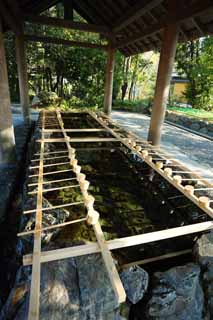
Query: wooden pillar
[22, 75]
[109, 80]
[7, 140]
[68, 9]
[165, 67]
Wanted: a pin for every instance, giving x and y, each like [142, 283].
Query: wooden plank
[133, 13]
[52, 152]
[196, 8]
[196, 179]
[154, 166]
[119, 243]
[66, 24]
[76, 130]
[158, 258]
[34, 303]
[86, 139]
[54, 226]
[198, 26]
[147, 146]
[52, 172]
[54, 189]
[49, 165]
[50, 158]
[51, 181]
[58, 41]
[110, 265]
[55, 207]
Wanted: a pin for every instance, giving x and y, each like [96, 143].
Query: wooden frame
[119, 243]
[64, 42]
[145, 152]
[36, 268]
[167, 174]
[92, 139]
[67, 24]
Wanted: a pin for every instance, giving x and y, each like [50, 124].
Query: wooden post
[167, 57]
[68, 9]
[109, 80]
[7, 140]
[22, 75]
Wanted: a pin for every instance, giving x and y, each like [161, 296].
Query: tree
[194, 60]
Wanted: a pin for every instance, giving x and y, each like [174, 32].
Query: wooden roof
[136, 26]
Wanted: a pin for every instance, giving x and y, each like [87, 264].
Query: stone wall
[9, 172]
[201, 126]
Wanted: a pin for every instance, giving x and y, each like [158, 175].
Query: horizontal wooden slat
[121, 242]
[64, 42]
[67, 24]
[86, 139]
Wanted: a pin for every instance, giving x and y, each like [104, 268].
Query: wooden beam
[68, 9]
[22, 76]
[109, 80]
[198, 26]
[54, 226]
[140, 36]
[8, 18]
[52, 172]
[85, 139]
[110, 265]
[88, 11]
[134, 13]
[39, 6]
[158, 258]
[193, 10]
[64, 42]
[66, 24]
[196, 8]
[148, 159]
[55, 189]
[49, 164]
[76, 130]
[7, 139]
[55, 207]
[33, 313]
[165, 67]
[106, 255]
[119, 243]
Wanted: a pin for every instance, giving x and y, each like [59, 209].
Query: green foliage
[195, 113]
[47, 97]
[142, 106]
[195, 60]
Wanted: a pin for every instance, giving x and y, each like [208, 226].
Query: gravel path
[192, 150]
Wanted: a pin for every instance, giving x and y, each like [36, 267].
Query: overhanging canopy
[134, 26]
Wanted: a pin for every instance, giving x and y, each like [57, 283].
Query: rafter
[190, 12]
[64, 42]
[134, 13]
[197, 24]
[9, 18]
[39, 6]
[67, 24]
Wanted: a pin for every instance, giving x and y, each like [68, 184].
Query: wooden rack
[155, 157]
[91, 218]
